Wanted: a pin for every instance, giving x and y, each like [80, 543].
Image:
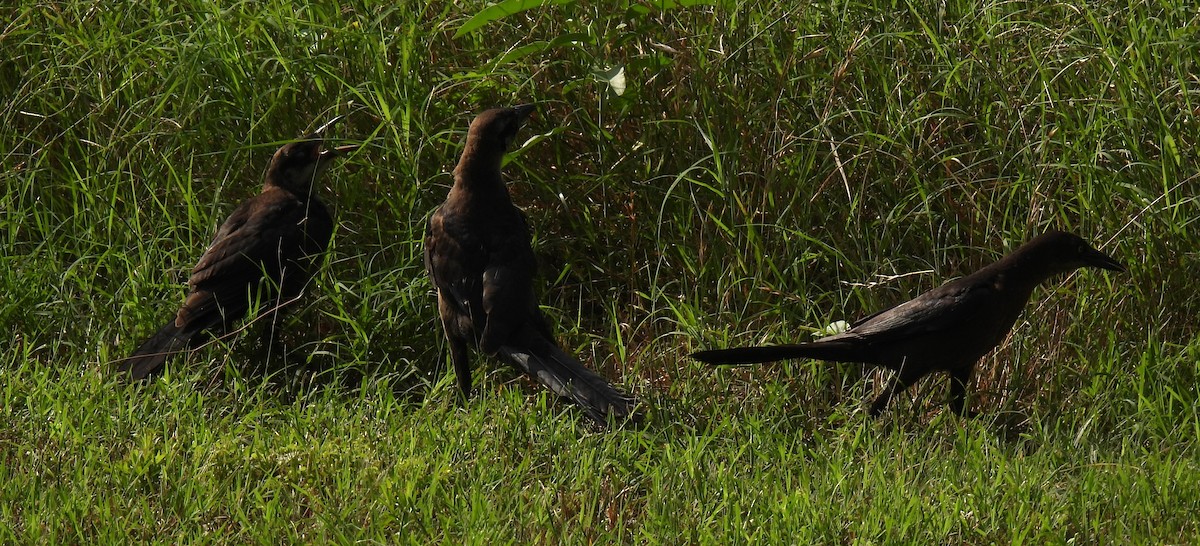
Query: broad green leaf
[500, 10]
[664, 5]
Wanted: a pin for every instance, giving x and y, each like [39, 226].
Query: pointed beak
[330, 153]
[1095, 258]
[523, 112]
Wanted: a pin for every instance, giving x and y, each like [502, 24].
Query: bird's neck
[1023, 270]
[303, 191]
[478, 171]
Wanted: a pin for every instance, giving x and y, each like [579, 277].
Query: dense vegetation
[696, 175]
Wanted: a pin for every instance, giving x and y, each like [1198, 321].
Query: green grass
[770, 168]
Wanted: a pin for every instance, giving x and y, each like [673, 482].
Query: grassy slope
[768, 170]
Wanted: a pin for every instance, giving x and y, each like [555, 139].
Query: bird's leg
[459, 356]
[959, 377]
[902, 380]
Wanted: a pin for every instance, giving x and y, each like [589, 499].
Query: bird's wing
[944, 308]
[508, 296]
[429, 242]
[255, 242]
[453, 262]
[259, 234]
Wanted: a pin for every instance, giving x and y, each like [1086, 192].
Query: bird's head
[297, 165]
[494, 131]
[1067, 252]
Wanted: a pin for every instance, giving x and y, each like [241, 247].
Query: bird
[479, 258]
[261, 255]
[948, 328]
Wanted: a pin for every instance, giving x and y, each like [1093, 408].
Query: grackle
[478, 255]
[262, 254]
[946, 329]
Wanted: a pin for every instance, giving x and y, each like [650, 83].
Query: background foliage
[763, 170]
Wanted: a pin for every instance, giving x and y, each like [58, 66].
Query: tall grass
[769, 168]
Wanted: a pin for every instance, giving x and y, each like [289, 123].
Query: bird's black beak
[1095, 258]
[523, 112]
[330, 153]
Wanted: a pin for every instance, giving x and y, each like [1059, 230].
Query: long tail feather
[569, 378]
[154, 352]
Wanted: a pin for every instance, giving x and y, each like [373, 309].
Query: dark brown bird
[478, 254]
[946, 329]
[261, 255]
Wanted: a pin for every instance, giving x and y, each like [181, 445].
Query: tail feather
[834, 351]
[154, 352]
[569, 378]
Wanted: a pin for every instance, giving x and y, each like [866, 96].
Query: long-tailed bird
[261, 256]
[946, 329]
[478, 254]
